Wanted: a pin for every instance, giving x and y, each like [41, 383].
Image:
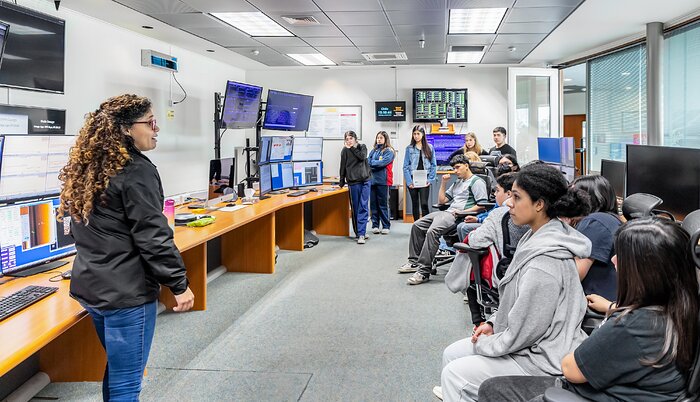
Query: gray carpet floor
[334, 323]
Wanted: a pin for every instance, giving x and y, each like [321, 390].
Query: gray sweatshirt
[541, 301]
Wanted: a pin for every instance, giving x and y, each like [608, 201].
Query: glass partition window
[681, 87]
[617, 104]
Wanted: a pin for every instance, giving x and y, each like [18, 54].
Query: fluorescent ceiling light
[254, 24]
[475, 20]
[312, 59]
[464, 57]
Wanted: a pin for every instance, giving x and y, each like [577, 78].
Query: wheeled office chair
[641, 204]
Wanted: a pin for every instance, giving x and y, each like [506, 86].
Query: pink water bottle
[169, 212]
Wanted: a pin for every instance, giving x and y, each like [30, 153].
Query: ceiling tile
[521, 47]
[189, 20]
[355, 5]
[314, 31]
[277, 16]
[425, 54]
[527, 27]
[432, 43]
[295, 49]
[538, 14]
[158, 6]
[472, 39]
[480, 3]
[281, 41]
[294, 6]
[224, 36]
[336, 41]
[419, 30]
[374, 41]
[427, 17]
[334, 52]
[367, 30]
[502, 58]
[220, 6]
[414, 4]
[265, 52]
[519, 38]
[547, 3]
[440, 60]
[379, 49]
[359, 18]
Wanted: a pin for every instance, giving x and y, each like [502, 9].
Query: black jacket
[354, 167]
[505, 149]
[127, 250]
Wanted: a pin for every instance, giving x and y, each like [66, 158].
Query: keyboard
[23, 298]
[298, 193]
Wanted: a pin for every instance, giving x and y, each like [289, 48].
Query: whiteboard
[331, 122]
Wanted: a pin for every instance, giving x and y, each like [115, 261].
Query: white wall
[103, 60]
[487, 98]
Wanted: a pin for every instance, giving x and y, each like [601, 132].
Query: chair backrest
[693, 387]
[691, 222]
[639, 205]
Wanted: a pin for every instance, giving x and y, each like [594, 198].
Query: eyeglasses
[152, 123]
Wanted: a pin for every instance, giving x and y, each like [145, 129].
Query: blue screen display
[281, 149]
[444, 145]
[308, 173]
[264, 152]
[282, 175]
[265, 179]
[287, 111]
[31, 235]
[241, 105]
[549, 150]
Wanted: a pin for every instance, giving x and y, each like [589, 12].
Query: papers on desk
[420, 178]
[233, 208]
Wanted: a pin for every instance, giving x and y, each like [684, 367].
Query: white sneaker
[437, 391]
[408, 268]
[361, 240]
[375, 230]
[385, 231]
[417, 279]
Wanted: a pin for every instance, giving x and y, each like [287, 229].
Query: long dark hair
[543, 182]
[424, 142]
[600, 190]
[387, 141]
[655, 269]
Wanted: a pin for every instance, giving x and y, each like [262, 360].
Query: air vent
[353, 63]
[467, 48]
[384, 56]
[301, 20]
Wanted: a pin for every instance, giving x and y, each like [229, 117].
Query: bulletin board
[331, 122]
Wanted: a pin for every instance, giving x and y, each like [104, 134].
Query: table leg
[251, 247]
[196, 263]
[289, 227]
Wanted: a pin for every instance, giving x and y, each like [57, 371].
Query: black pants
[516, 388]
[419, 198]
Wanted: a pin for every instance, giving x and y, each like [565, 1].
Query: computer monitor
[281, 149]
[308, 173]
[566, 150]
[265, 179]
[444, 145]
[307, 149]
[549, 150]
[4, 28]
[435, 104]
[670, 173]
[282, 174]
[241, 105]
[30, 236]
[287, 111]
[264, 151]
[30, 165]
[222, 180]
[24, 120]
[390, 111]
[615, 172]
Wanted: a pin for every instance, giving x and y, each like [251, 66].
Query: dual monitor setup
[289, 163]
[558, 152]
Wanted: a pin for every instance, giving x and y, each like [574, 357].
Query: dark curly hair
[506, 181]
[602, 193]
[100, 152]
[546, 183]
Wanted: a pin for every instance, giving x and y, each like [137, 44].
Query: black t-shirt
[600, 229]
[505, 149]
[420, 162]
[610, 361]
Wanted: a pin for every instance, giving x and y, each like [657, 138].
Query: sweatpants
[379, 201]
[463, 371]
[517, 389]
[359, 203]
[425, 238]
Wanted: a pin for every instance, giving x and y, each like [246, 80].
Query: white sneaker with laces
[437, 391]
[361, 240]
[375, 230]
[408, 268]
[385, 231]
[417, 278]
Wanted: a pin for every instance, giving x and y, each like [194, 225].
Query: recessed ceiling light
[475, 20]
[254, 24]
[146, 27]
[326, 68]
[462, 66]
[392, 66]
[464, 57]
[568, 79]
[312, 59]
[211, 50]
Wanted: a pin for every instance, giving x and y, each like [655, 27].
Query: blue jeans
[359, 200]
[379, 203]
[126, 334]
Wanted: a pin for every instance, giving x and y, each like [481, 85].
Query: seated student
[645, 348]
[504, 183]
[499, 138]
[471, 144]
[507, 163]
[597, 273]
[541, 300]
[464, 194]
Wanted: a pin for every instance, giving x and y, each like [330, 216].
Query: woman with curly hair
[125, 248]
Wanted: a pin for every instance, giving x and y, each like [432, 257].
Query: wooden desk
[60, 330]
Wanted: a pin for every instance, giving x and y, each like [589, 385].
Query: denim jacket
[410, 163]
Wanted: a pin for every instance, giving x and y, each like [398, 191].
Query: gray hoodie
[541, 301]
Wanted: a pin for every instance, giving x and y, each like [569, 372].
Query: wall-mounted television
[287, 111]
[435, 104]
[34, 51]
[31, 120]
[241, 105]
[4, 30]
[390, 111]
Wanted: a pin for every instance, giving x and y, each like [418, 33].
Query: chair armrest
[487, 205]
[460, 215]
[441, 207]
[553, 394]
[465, 248]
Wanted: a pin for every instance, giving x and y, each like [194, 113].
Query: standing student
[419, 156]
[114, 197]
[355, 170]
[471, 144]
[381, 161]
[499, 138]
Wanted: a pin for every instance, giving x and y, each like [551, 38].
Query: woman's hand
[484, 329]
[598, 303]
[184, 301]
[410, 185]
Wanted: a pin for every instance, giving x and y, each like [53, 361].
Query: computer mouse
[66, 275]
[230, 205]
[313, 189]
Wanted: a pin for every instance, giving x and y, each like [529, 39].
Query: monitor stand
[38, 269]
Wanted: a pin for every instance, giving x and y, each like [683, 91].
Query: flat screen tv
[34, 51]
[390, 111]
[435, 104]
[287, 111]
[241, 105]
[31, 120]
[4, 30]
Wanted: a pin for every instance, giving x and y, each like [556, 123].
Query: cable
[181, 87]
